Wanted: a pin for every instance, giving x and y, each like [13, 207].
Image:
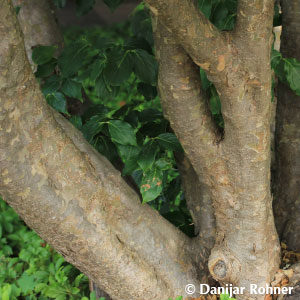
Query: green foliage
[31, 269]
[287, 70]
[220, 12]
[125, 123]
[226, 297]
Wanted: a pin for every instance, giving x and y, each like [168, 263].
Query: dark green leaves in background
[287, 70]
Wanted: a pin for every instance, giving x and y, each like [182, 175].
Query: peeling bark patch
[221, 63]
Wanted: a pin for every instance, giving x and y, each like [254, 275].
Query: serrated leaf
[51, 85]
[292, 70]
[93, 126]
[151, 185]
[119, 67]
[147, 155]
[43, 54]
[58, 101]
[75, 56]
[121, 132]
[97, 68]
[72, 89]
[112, 4]
[169, 142]
[84, 6]
[144, 65]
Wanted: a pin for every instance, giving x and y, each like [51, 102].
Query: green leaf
[106, 147]
[112, 4]
[84, 6]
[51, 85]
[26, 283]
[215, 103]
[292, 70]
[97, 68]
[57, 101]
[43, 54]
[6, 292]
[92, 127]
[121, 132]
[205, 83]
[102, 89]
[75, 56]
[46, 70]
[169, 142]
[147, 155]
[72, 89]
[144, 65]
[205, 6]
[119, 67]
[147, 90]
[219, 17]
[151, 185]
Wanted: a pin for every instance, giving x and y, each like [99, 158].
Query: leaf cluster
[31, 269]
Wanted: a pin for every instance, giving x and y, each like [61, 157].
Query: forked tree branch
[74, 198]
[202, 41]
[184, 103]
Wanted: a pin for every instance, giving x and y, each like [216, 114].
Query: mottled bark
[38, 24]
[235, 169]
[73, 197]
[287, 178]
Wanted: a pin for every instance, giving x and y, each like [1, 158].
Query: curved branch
[73, 197]
[183, 102]
[38, 25]
[203, 42]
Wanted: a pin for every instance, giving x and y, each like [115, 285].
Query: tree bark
[78, 202]
[287, 177]
[38, 24]
[73, 197]
[236, 168]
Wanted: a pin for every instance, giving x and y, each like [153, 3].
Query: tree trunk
[287, 178]
[77, 201]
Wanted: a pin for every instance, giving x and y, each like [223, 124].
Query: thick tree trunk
[73, 197]
[79, 203]
[287, 178]
[236, 169]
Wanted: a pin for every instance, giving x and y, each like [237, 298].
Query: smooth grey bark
[73, 197]
[287, 177]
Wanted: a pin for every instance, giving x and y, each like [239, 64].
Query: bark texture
[287, 178]
[236, 168]
[38, 24]
[73, 197]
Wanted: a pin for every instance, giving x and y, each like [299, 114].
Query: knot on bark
[220, 269]
[223, 266]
